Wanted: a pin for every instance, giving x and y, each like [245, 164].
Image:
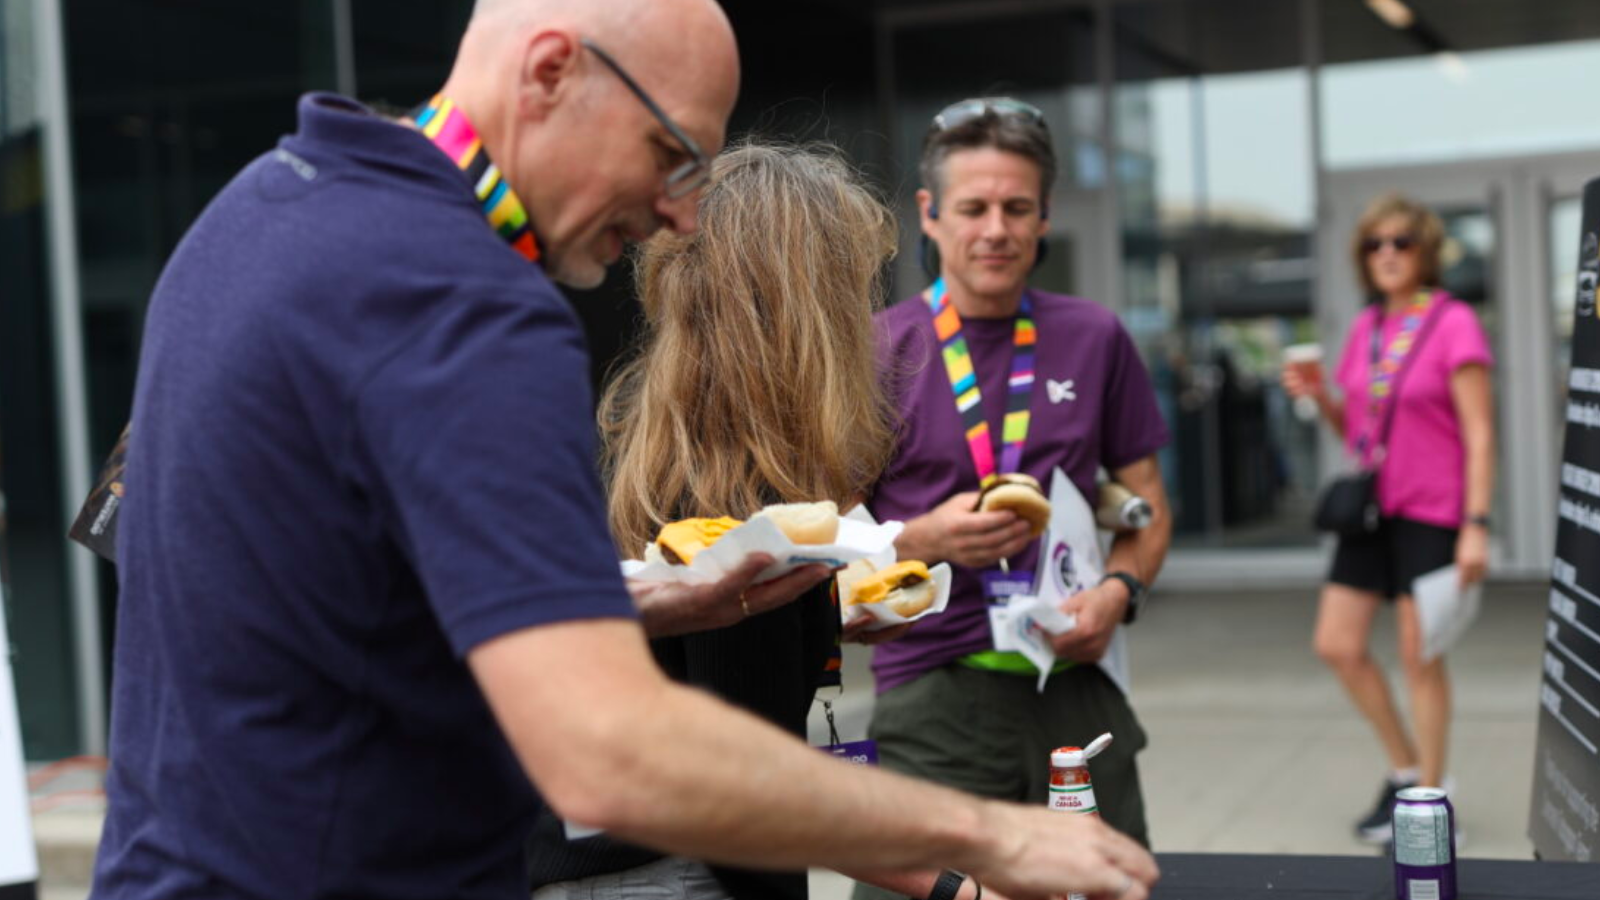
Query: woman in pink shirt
[1419, 348]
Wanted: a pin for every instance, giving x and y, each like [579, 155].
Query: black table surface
[1221, 876]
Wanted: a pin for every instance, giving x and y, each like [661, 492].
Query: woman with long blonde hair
[754, 383]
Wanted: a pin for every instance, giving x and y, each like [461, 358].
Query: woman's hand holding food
[671, 608]
[855, 631]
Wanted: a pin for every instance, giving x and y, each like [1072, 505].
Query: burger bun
[805, 523]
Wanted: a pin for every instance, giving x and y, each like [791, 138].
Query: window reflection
[1216, 191]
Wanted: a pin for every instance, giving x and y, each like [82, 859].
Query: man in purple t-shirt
[951, 708]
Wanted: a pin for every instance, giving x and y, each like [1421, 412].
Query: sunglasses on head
[958, 114]
[1400, 242]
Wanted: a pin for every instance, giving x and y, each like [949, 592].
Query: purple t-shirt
[1424, 473]
[1101, 412]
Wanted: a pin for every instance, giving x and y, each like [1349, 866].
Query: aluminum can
[1424, 845]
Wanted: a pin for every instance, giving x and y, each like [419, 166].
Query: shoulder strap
[1382, 449]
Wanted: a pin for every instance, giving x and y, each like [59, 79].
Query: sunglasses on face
[1400, 242]
[686, 178]
[957, 114]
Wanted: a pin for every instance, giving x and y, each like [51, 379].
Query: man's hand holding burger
[953, 531]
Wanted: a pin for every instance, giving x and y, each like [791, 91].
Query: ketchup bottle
[1070, 788]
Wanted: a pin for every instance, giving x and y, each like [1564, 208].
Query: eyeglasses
[957, 114]
[1400, 242]
[692, 175]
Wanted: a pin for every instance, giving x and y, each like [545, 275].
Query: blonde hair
[1423, 224]
[755, 380]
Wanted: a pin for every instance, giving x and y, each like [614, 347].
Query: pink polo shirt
[1423, 478]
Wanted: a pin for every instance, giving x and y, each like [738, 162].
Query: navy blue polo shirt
[362, 446]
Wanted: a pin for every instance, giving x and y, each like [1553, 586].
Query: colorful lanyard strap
[1386, 364]
[447, 126]
[964, 382]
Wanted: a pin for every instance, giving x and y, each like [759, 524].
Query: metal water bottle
[1120, 509]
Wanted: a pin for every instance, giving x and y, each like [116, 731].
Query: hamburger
[1022, 495]
[905, 587]
[804, 523]
[679, 542]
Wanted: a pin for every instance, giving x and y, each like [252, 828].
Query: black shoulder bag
[1349, 504]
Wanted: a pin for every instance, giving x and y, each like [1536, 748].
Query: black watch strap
[1136, 592]
[947, 886]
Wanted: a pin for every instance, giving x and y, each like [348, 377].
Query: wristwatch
[948, 885]
[1136, 594]
[1481, 520]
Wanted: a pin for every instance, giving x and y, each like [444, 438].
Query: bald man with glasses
[371, 616]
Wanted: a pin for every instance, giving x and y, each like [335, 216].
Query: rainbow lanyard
[1384, 368]
[964, 382]
[447, 126]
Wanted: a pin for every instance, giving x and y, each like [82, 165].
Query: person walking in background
[950, 707]
[1419, 355]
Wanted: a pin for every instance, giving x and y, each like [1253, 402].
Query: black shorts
[1388, 560]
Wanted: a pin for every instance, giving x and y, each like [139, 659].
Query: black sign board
[1564, 821]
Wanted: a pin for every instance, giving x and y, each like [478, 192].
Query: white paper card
[856, 540]
[1071, 561]
[18, 861]
[1445, 610]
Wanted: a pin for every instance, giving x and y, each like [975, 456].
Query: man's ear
[927, 208]
[547, 73]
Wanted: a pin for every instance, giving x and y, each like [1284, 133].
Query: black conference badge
[96, 525]
[1564, 818]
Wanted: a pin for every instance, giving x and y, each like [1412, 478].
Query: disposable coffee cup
[1306, 361]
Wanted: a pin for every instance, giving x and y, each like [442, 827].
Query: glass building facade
[1214, 155]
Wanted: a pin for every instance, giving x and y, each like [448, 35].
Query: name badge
[858, 753]
[999, 584]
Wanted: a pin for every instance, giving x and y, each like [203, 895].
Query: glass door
[1511, 252]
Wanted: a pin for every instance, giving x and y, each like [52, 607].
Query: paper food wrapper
[856, 540]
[884, 617]
[1025, 625]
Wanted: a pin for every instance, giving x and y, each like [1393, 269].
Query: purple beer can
[1424, 845]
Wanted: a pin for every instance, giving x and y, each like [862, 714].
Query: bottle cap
[1077, 756]
[1063, 757]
